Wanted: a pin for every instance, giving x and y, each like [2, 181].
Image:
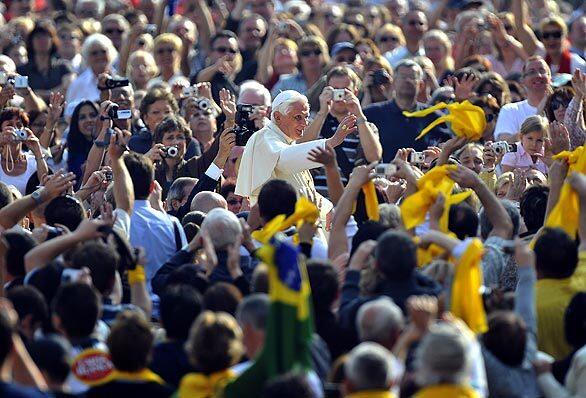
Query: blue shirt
[397, 131]
[154, 231]
[294, 81]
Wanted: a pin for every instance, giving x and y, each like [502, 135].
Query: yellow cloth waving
[371, 201]
[305, 211]
[466, 120]
[199, 385]
[566, 211]
[466, 301]
[415, 207]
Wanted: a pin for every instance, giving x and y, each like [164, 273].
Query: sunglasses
[165, 50]
[415, 23]
[307, 53]
[385, 39]
[225, 50]
[97, 52]
[114, 30]
[551, 35]
[348, 60]
[557, 103]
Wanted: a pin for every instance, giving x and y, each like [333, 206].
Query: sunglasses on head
[225, 50]
[307, 53]
[557, 103]
[551, 35]
[385, 39]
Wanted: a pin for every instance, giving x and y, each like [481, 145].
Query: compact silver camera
[190, 91]
[385, 169]
[502, 147]
[170, 152]
[20, 135]
[204, 104]
[417, 157]
[338, 94]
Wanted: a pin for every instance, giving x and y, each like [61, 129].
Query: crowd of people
[148, 148]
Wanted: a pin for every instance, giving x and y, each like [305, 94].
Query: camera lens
[172, 152]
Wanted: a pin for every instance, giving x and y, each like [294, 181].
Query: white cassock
[270, 154]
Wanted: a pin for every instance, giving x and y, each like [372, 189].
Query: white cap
[289, 96]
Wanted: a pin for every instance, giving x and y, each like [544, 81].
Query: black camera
[113, 111]
[170, 152]
[53, 232]
[245, 127]
[115, 82]
[109, 175]
[380, 76]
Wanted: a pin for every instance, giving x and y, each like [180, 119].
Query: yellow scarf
[466, 301]
[566, 212]
[143, 375]
[372, 394]
[447, 391]
[370, 201]
[305, 211]
[466, 120]
[198, 385]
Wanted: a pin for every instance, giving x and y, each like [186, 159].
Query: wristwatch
[36, 195]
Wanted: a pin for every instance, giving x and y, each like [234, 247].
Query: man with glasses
[115, 27]
[414, 27]
[537, 82]
[397, 130]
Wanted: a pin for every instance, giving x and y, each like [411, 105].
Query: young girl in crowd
[530, 149]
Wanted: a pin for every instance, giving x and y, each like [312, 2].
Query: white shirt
[153, 230]
[20, 181]
[401, 53]
[84, 87]
[511, 117]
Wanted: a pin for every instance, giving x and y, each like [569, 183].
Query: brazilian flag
[289, 325]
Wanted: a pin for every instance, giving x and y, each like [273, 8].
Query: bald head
[207, 201]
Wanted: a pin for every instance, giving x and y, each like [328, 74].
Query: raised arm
[578, 182]
[325, 102]
[123, 187]
[525, 294]
[56, 185]
[327, 157]
[495, 211]
[524, 31]
[199, 12]
[557, 175]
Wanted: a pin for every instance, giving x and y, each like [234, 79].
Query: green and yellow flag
[290, 323]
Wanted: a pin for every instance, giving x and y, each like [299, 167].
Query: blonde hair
[502, 180]
[145, 55]
[436, 34]
[389, 27]
[169, 38]
[556, 21]
[534, 123]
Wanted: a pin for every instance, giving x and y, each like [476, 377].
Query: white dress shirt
[84, 87]
[153, 230]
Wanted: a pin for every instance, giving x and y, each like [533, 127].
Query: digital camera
[338, 94]
[170, 152]
[20, 135]
[502, 147]
[115, 82]
[385, 169]
[417, 158]
[109, 175]
[204, 104]
[244, 126]
[20, 81]
[190, 91]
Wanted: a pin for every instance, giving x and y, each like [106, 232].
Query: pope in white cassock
[272, 152]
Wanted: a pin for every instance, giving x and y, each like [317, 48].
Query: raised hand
[325, 156]
[518, 185]
[118, 142]
[325, 99]
[422, 311]
[56, 106]
[57, 184]
[361, 175]
[346, 127]
[559, 138]
[228, 104]
[464, 87]
[579, 83]
[465, 177]
[359, 260]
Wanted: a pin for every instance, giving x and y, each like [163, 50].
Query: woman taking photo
[44, 74]
[19, 166]
[81, 136]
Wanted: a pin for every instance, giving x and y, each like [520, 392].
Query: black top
[126, 389]
[170, 362]
[40, 81]
[15, 391]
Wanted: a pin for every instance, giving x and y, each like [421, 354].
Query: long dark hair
[43, 27]
[79, 147]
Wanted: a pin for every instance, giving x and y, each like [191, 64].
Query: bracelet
[360, 121]
[136, 275]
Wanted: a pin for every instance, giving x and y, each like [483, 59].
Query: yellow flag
[466, 301]
[305, 211]
[370, 201]
[466, 120]
[567, 210]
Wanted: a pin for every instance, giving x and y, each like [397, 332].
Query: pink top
[522, 160]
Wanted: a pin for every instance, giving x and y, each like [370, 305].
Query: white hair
[116, 18]
[101, 5]
[369, 367]
[253, 85]
[283, 107]
[223, 228]
[378, 320]
[443, 356]
[103, 40]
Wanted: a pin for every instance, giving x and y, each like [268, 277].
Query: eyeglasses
[113, 30]
[385, 39]
[165, 50]
[234, 202]
[224, 50]
[551, 35]
[95, 53]
[557, 103]
[307, 53]
[416, 23]
[490, 117]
